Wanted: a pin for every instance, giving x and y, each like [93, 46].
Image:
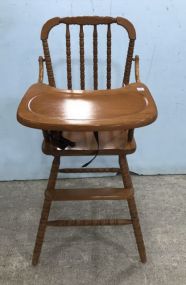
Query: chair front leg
[132, 207]
[46, 210]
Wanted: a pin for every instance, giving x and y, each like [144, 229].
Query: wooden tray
[49, 108]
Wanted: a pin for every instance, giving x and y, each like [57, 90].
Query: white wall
[161, 44]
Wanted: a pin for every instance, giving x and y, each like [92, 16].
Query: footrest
[88, 170]
[91, 194]
[105, 222]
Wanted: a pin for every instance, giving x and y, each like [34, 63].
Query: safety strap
[96, 153]
[58, 140]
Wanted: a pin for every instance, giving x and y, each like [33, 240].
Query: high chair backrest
[94, 21]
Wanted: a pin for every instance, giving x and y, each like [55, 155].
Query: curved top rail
[88, 20]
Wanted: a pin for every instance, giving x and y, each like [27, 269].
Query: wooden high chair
[83, 122]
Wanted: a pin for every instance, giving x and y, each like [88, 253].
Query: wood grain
[92, 194]
[48, 108]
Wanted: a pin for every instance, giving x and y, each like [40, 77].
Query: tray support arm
[41, 69]
[137, 73]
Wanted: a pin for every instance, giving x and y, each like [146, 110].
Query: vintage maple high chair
[102, 122]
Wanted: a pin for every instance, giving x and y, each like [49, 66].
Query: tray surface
[46, 107]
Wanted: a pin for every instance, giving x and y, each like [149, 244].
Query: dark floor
[95, 255]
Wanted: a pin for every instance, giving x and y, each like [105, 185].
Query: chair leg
[132, 208]
[45, 210]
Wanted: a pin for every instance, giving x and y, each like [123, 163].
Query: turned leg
[45, 210]
[132, 207]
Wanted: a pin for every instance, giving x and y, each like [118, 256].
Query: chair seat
[110, 142]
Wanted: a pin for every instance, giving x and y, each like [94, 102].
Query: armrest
[41, 69]
[136, 60]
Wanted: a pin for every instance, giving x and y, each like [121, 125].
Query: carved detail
[68, 54]
[89, 20]
[82, 61]
[95, 57]
[128, 62]
[109, 57]
[48, 64]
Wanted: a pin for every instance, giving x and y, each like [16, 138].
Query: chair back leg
[132, 208]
